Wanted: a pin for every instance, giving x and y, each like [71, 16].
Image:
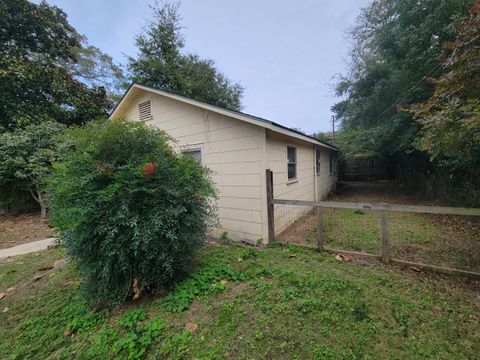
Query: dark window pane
[196, 154]
[292, 171]
[317, 156]
[291, 154]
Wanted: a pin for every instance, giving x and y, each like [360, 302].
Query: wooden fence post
[320, 228]
[385, 249]
[270, 206]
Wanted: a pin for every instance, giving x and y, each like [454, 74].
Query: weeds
[205, 281]
[138, 336]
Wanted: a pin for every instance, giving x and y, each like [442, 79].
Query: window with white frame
[195, 153]
[292, 162]
[317, 161]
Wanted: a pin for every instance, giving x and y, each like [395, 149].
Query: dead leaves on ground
[343, 258]
[46, 268]
[38, 277]
[191, 326]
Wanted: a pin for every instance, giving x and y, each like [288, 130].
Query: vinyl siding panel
[238, 153]
[326, 180]
[305, 186]
[230, 148]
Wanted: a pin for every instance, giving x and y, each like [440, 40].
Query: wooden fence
[363, 168]
[385, 248]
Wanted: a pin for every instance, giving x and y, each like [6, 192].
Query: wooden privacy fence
[384, 209]
[363, 168]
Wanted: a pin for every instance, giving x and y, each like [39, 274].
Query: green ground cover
[277, 302]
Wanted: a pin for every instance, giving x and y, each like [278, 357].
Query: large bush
[132, 212]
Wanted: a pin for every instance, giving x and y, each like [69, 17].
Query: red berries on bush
[149, 169]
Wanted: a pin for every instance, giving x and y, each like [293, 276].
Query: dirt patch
[302, 231]
[23, 228]
[196, 310]
[236, 289]
[377, 192]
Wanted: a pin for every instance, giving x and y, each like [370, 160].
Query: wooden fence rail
[383, 207]
[385, 249]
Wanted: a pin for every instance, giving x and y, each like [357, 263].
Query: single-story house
[238, 147]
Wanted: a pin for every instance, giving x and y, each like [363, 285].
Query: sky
[285, 54]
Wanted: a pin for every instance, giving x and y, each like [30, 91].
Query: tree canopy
[26, 157]
[161, 63]
[450, 119]
[396, 50]
[38, 51]
[396, 44]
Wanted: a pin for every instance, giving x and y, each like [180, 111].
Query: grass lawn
[442, 240]
[273, 303]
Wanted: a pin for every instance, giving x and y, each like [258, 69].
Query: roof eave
[230, 113]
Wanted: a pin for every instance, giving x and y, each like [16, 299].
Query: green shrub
[131, 211]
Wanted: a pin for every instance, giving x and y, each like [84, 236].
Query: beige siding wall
[238, 154]
[232, 149]
[326, 180]
[307, 186]
[303, 188]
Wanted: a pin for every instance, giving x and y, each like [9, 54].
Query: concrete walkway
[26, 248]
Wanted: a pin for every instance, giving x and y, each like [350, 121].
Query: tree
[26, 157]
[131, 211]
[36, 45]
[450, 119]
[396, 44]
[396, 48]
[97, 69]
[161, 63]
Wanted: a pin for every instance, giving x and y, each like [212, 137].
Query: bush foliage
[132, 212]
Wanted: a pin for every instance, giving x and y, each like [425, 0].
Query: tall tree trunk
[43, 205]
[43, 210]
[37, 195]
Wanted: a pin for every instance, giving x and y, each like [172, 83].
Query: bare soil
[377, 192]
[23, 228]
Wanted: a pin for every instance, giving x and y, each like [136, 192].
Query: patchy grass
[443, 240]
[20, 268]
[277, 303]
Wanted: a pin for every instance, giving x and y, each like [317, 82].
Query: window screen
[195, 153]
[317, 160]
[292, 162]
[145, 111]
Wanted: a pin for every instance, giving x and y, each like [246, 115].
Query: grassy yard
[443, 240]
[271, 303]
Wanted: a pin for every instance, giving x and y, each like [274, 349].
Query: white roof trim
[230, 113]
